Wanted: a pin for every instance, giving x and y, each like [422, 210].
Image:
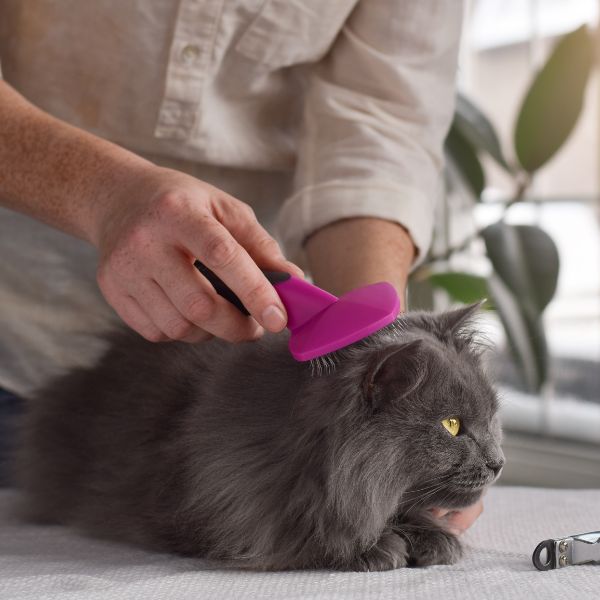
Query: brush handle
[301, 299]
[226, 292]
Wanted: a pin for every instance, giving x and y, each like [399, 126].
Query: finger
[165, 315]
[227, 325]
[461, 520]
[133, 314]
[294, 269]
[221, 253]
[239, 219]
[197, 336]
[196, 300]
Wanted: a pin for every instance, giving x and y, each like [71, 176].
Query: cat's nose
[495, 465]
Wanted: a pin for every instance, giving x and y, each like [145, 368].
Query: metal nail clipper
[567, 551]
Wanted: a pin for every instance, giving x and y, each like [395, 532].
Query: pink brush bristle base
[321, 324]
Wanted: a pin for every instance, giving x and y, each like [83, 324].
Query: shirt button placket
[186, 73]
[190, 53]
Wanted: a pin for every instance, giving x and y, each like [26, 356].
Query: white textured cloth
[53, 563]
[333, 109]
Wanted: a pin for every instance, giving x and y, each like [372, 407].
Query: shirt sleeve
[377, 110]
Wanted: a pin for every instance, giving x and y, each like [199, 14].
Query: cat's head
[428, 413]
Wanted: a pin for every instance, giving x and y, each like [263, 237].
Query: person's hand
[458, 521]
[148, 239]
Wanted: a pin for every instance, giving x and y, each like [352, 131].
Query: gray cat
[239, 454]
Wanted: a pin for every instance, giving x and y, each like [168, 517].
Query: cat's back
[110, 448]
[104, 435]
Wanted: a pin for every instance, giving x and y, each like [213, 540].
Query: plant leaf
[526, 259]
[554, 100]
[477, 128]
[525, 336]
[462, 155]
[463, 287]
[526, 263]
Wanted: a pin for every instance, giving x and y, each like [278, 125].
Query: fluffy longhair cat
[238, 453]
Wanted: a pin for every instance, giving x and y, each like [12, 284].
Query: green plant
[524, 259]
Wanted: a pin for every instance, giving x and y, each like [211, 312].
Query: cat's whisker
[434, 478]
[421, 503]
[413, 507]
[423, 498]
[435, 481]
[443, 480]
[417, 493]
[447, 495]
[429, 485]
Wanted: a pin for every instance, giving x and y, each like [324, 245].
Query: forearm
[55, 172]
[360, 251]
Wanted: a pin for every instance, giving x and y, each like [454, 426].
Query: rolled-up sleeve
[377, 110]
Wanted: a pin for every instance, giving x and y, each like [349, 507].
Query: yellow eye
[452, 425]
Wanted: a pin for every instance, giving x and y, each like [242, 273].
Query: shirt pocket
[288, 32]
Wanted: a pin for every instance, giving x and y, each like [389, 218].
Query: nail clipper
[567, 551]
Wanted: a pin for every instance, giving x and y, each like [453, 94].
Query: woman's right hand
[148, 239]
[148, 223]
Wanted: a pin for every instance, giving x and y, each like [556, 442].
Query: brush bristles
[326, 364]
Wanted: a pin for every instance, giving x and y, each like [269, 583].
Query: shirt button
[190, 53]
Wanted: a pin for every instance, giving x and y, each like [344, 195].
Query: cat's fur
[238, 453]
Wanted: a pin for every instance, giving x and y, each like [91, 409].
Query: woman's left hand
[458, 521]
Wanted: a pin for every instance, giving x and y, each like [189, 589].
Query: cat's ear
[453, 326]
[452, 321]
[400, 367]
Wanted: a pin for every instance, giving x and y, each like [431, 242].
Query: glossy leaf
[462, 155]
[463, 287]
[478, 130]
[524, 334]
[526, 265]
[554, 100]
[526, 259]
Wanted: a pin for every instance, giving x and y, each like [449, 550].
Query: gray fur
[238, 454]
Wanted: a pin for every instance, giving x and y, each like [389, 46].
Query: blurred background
[520, 226]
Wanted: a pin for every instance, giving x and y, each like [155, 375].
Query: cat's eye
[452, 424]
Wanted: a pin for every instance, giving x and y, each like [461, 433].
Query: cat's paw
[432, 546]
[390, 552]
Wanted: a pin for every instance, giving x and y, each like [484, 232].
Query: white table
[39, 563]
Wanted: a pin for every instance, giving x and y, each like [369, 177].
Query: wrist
[58, 173]
[130, 178]
[359, 251]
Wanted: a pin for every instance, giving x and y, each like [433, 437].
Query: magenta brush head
[320, 323]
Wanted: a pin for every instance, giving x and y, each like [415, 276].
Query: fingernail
[273, 318]
[296, 269]
[258, 333]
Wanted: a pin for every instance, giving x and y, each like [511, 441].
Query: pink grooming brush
[319, 322]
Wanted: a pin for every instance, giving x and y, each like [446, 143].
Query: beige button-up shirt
[325, 108]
